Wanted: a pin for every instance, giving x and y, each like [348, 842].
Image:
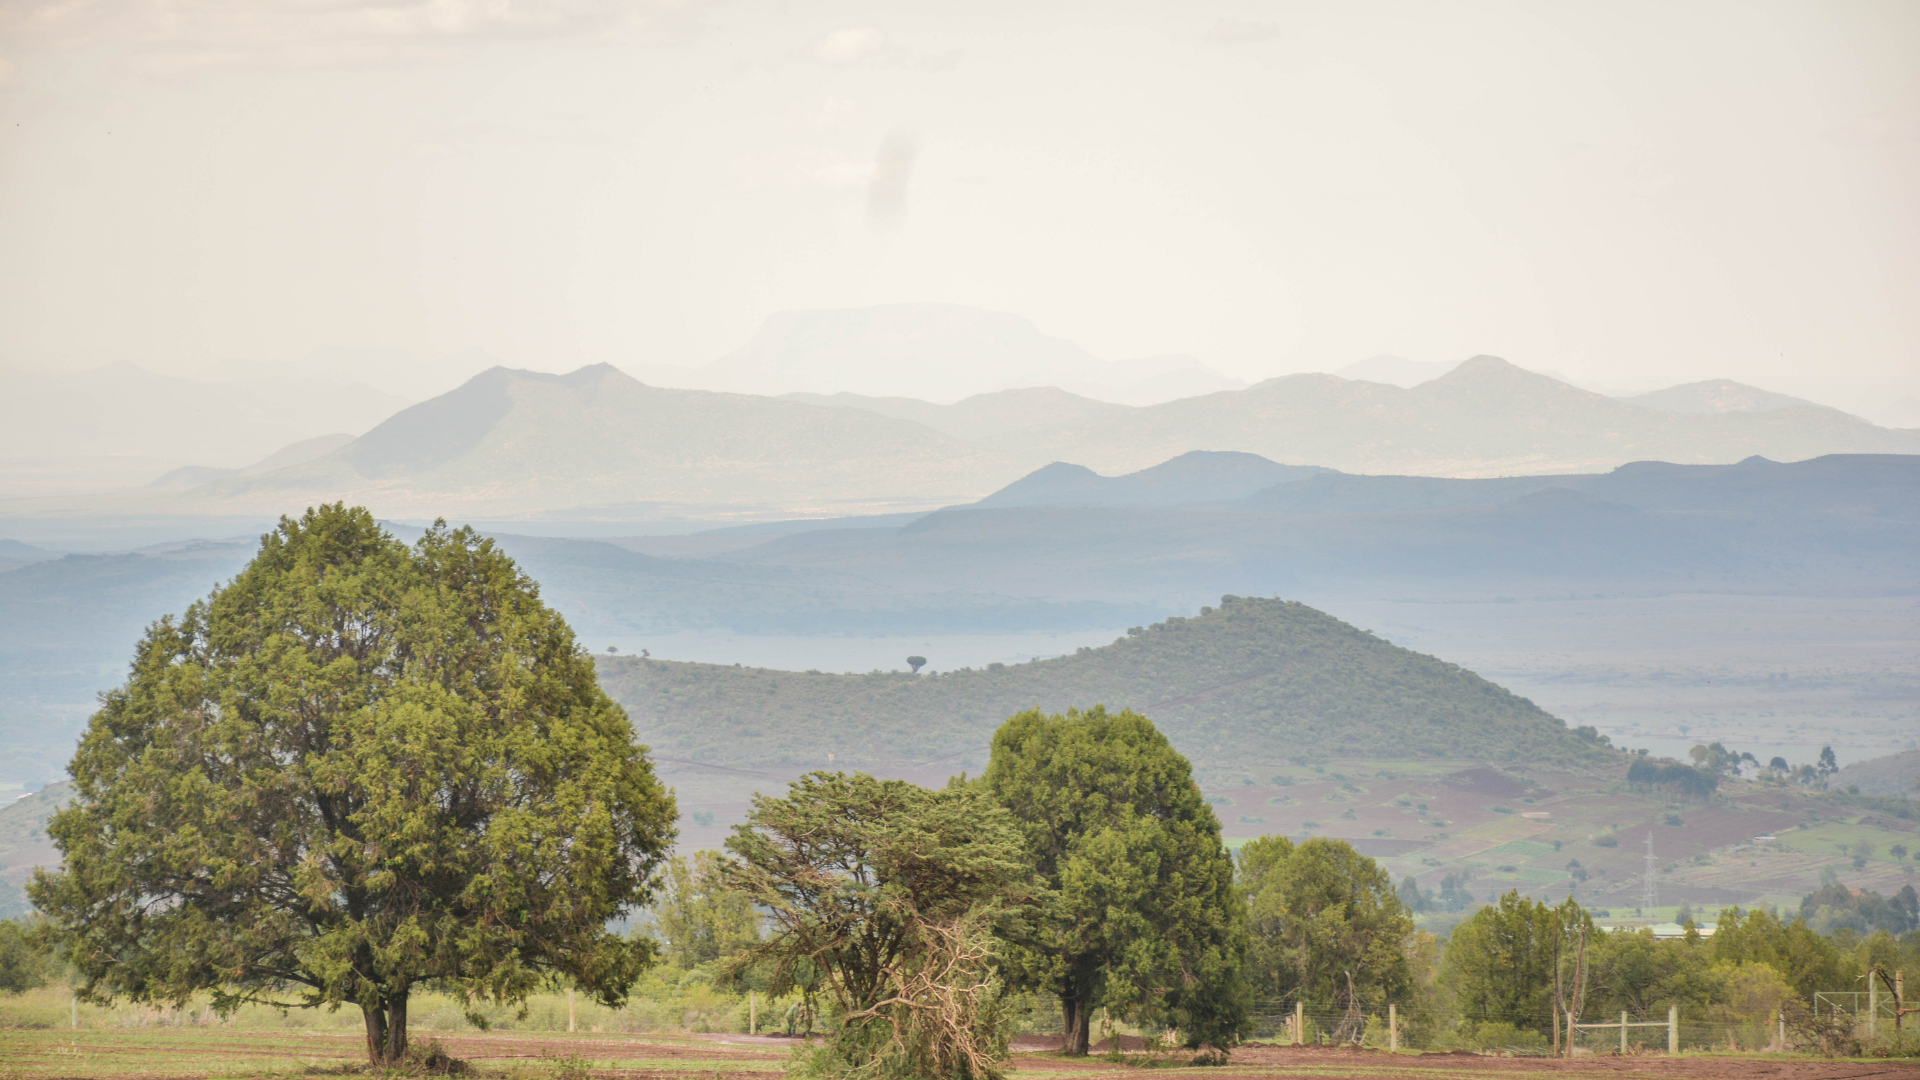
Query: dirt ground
[1256, 1061]
[181, 1054]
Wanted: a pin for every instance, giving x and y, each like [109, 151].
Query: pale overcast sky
[1650, 192]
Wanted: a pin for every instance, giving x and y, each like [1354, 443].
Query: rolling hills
[1198, 476]
[1843, 522]
[1246, 687]
[1485, 417]
[597, 444]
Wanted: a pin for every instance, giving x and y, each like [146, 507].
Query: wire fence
[1661, 1031]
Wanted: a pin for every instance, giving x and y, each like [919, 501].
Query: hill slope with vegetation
[1244, 688]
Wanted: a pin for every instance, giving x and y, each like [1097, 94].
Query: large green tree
[1808, 962]
[356, 769]
[701, 918]
[1146, 920]
[1320, 913]
[1500, 963]
[891, 892]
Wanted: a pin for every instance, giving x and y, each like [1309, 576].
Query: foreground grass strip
[111, 1055]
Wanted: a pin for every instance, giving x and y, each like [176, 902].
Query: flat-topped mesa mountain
[1485, 417]
[510, 441]
[942, 352]
[1240, 689]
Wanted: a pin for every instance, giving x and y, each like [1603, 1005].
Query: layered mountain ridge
[598, 442]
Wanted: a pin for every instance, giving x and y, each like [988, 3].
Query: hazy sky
[1615, 190]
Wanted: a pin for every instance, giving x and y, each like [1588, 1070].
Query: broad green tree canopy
[1500, 964]
[355, 769]
[1147, 921]
[1317, 913]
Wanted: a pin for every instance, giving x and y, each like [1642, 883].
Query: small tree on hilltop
[916, 663]
[355, 769]
[888, 894]
[1147, 921]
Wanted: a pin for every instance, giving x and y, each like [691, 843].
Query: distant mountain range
[517, 441]
[298, 453]
[1063, 550]
[940, 352]
[121, 426]
[1198, 476]
[598, 443]
[1843, 522]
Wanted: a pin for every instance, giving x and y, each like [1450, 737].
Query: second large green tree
[1146, 921]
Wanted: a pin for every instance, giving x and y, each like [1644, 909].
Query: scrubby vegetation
[1255, 682]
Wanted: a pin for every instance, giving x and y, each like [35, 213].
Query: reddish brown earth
[185, 1054]
[1038, 1053]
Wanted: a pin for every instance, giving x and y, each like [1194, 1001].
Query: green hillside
[1240, 690]
[1895, 776]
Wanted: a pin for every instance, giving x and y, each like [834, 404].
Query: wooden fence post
[1873, 1003]
[1673, 1030]
[1623, 1033]
[1299, 1023]
[1393, 1028]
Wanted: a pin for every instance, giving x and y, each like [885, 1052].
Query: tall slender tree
[356, 769]
[1146, 922]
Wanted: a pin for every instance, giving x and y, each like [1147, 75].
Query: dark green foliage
[1673, 778]
[1500, 963]
[1453, 892]
[1318, 912]
[25, 959]
[890, 891]
[1720, 761]
[1632, 971]
[1251, 684]
[1835, 906]
[355, 769]
[1806, 960]
[1147, 922]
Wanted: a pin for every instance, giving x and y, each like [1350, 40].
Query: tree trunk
[397, 1028]
[387, 1030]
[376, 1018]
[1076, 1021]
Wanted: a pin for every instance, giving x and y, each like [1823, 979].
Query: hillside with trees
[1252, 683]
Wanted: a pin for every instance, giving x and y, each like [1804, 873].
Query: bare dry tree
[1354, 1023]
[941, 1003]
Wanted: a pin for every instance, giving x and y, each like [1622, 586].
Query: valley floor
[185, 1053]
